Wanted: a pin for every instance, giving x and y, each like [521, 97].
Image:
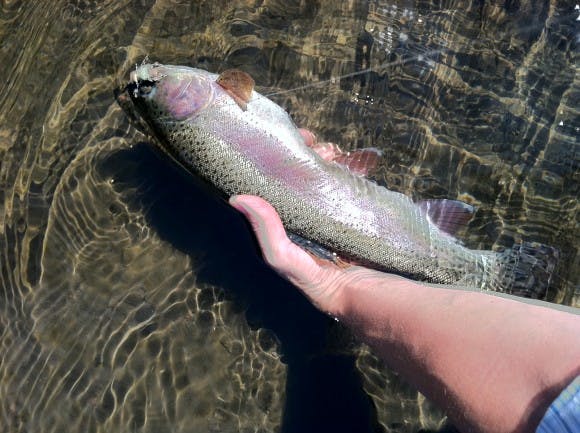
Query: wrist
[361, 293]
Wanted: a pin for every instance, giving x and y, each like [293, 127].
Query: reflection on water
[133, 301]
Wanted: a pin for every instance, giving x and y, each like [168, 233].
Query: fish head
[162, 93]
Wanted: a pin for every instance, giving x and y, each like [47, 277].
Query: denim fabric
[563, 415]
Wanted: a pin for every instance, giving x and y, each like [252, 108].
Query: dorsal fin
[448, 215]
[239, 86]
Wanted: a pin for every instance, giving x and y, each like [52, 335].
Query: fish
[239, 141]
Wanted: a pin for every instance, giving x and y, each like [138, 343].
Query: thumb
[263, 218]
[287, 258]
[279, 252]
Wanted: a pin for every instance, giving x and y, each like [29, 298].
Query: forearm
[492, 363]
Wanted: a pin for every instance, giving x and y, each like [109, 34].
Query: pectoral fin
[360, 162]
[239, 86]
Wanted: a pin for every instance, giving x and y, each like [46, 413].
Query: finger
[328, 151]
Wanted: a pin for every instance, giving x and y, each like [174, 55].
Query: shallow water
[132, 300]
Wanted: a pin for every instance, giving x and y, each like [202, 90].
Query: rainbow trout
[241, 142]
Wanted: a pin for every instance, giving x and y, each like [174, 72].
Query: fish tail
[526, 269]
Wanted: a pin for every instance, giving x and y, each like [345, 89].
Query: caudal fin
[526, 269]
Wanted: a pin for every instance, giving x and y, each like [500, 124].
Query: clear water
[132, 300]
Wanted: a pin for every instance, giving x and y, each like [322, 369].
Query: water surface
[133, 300]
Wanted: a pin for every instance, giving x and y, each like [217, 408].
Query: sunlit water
[132, 300]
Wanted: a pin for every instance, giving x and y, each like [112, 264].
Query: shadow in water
[324, 391]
